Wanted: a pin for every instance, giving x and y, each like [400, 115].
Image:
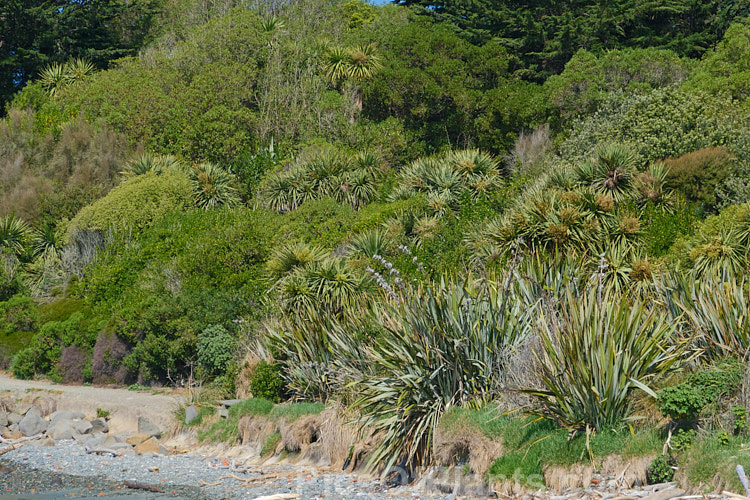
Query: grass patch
[225, 430]
[486, 421]
[270, 444]
[544, 443]
[708, 457]
[292, 411]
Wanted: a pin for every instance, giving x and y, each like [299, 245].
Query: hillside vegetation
[406, 210]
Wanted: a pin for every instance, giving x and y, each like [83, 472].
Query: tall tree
[545, 34]
[34, 33]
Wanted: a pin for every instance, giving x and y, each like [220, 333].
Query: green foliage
[292, 411]
[35, 34]
[537, 444]
[18, 314]
[266, 382]
[544, 35]
[666, 122]
[588, 78]
[447, 91]
[215, 349]
[419, 372]
[726, 68]
[100, 413]
[682, 439]
[740, 419]
[56, 76]
[213, 187]
[698, 174]
[596, 354]
[162, 288]
[270, 444]
[43, 352]
[136, 203]
[703, 388]
[225, 430]
[661, 470]
[681, 401]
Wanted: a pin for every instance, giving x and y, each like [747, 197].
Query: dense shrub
[136, 203]
[663, 123]
[215, 349]
[588, 78]
[702, 388]
[266, 382]
[106, 363]
[696, 175]
[18, 314]
[74, 365]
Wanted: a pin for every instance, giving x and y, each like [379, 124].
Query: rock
[230, 402]
[223, 412]
[111, 440]
[34, 410]
[3, 419]
[14, 418]
[33, 423]
[127, 452]
[136, 439]
[66, 415]
[191, 413]
[98, 425]
[93, 441]
[62, 429]
[146, 427]
[82, 426]
[12, 434]
[151, 445]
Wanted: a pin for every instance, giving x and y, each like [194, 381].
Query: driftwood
[242, 479]
[142, 486]
[100, 451]
[15, 444]
[735, 496]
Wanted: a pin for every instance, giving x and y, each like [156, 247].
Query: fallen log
[142, 486]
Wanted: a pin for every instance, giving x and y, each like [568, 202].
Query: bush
[74, 365]
[701, 389]
[266, 382]
[23, 364]
[106, 362]
[136, 203]
[661, 470]
[18, 314]
[696, 175]
[597, 355]
[215, 349]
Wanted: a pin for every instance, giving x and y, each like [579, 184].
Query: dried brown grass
[628, 473]
[466, 445]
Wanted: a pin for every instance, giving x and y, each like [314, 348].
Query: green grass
[269, 445]
[292, 411]
[707, 457]
[225, 430]
[544, 443]
[487, 421]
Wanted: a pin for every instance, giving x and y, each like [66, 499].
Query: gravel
[67, 471]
